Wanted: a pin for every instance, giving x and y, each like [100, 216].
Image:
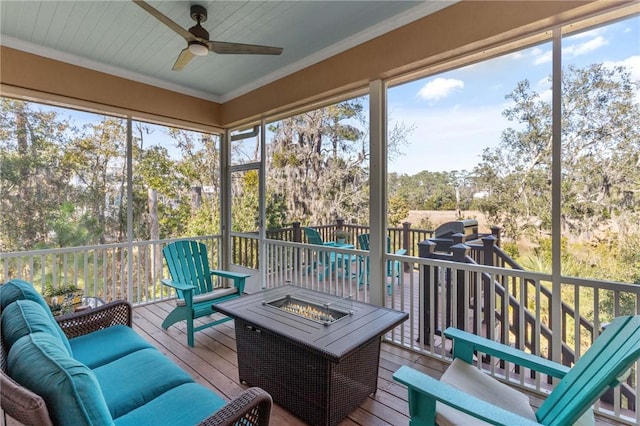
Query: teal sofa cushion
[16, 289]
[106, 345]
[70, 389]
[24, 317]
[186, 404]
[137, 378]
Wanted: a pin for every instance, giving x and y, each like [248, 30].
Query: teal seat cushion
[40, 362]
[106, 345]
[186, 404]
[24, 317]
[16, 289]
[137, 378]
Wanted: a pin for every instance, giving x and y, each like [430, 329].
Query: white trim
[377, 190]
[556, 198]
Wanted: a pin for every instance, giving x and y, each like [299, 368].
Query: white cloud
[543, 87]
[542, 57]
[586, 47]
[632, 64]
[440, 88]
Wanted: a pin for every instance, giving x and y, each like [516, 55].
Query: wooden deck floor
[213, 362]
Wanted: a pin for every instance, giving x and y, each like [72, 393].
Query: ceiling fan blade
[242, 49]
[165, 20]
[183, 59]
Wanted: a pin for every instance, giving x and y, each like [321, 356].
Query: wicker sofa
[92, 368]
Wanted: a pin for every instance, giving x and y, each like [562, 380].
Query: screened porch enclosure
[93, 202]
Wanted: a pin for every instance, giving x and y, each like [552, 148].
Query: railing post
[426, 249]
[488, 244]
[406, 232]
[297, 232]
[459, 252]
[297, 238]
[457, 238]
[495, 231]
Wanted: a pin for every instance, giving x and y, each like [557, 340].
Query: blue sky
[458, 113]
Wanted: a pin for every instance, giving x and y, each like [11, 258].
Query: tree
[600, 151]
[98, 158]
[600, 171]
[398, 209]
[316, 164]
[35, 175]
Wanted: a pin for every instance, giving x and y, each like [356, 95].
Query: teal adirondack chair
[464, 394]
[327, 259]
[394, 267]
[192, 280]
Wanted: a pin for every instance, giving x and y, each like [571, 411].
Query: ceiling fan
[197, 38]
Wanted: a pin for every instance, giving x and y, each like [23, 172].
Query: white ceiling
[120, 38]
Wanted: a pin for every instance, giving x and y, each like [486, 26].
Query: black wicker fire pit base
[317, 390]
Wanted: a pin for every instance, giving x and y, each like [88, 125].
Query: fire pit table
[316, 354]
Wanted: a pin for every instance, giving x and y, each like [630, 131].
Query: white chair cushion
[470, 380]
[474, 382]
[215, 294]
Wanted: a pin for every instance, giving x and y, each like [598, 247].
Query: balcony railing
[110, 272]
[500, 302]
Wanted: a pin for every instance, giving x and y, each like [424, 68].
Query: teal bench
[92, 368]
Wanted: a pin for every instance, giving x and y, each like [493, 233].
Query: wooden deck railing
[246, 246]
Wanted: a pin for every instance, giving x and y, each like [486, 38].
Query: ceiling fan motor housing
[198, 13]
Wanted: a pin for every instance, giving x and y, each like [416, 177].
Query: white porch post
[377, 189]
[556, 196]
[225, 201]
[129, 157]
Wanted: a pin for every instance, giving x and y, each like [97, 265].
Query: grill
[444, 233]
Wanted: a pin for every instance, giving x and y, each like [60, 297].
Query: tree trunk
[154, 235]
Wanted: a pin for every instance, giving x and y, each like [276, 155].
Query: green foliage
[72, 229]
[201, 223]
[61, 290]
[34, 178]
[316, 166]
[511, 249]
[64, 185]
[600, 151]
[434, 190]
[245, 203]
[398, 209]
[426, 223]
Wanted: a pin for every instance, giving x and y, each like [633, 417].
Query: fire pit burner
[321, 313]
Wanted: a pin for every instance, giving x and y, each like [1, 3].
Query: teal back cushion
[24, 317]
[69, 388]
[16, 289]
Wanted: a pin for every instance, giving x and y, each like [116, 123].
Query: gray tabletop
[334, 341]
